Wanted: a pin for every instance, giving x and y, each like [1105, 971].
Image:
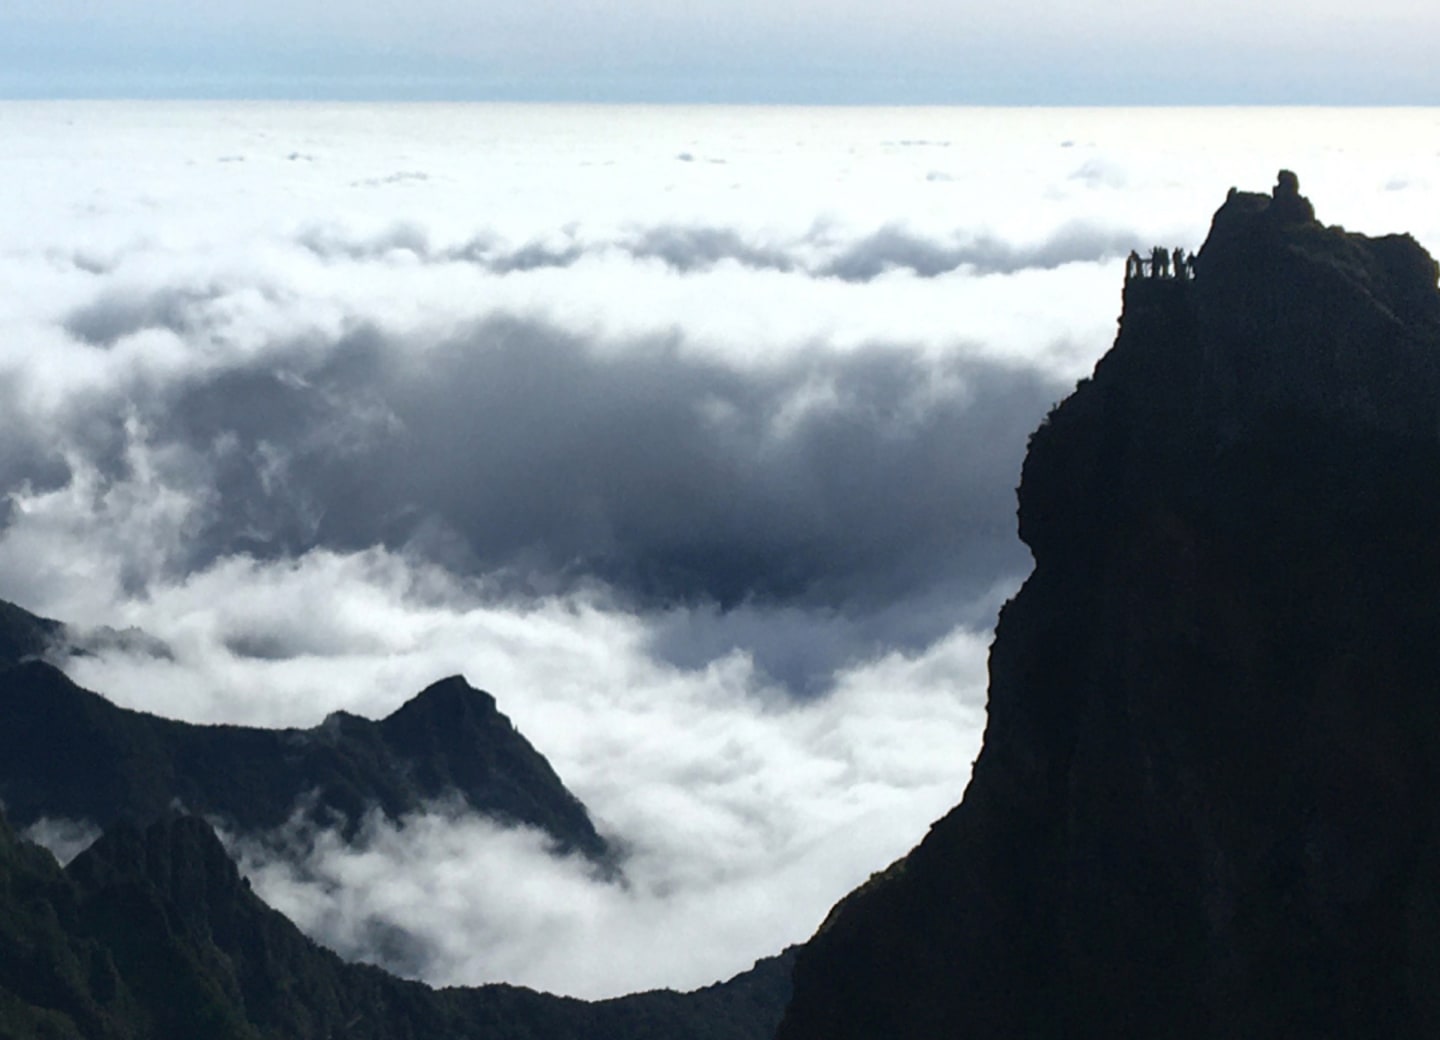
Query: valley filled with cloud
[691, 434]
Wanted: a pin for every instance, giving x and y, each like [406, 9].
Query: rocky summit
[1205, 802]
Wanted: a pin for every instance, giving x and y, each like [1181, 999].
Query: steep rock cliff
[1204, 806]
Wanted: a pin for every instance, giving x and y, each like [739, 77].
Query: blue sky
[1058, 52]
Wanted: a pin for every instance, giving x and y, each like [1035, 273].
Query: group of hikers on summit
[1160, 264]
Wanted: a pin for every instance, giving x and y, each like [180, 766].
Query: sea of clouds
[689, 433]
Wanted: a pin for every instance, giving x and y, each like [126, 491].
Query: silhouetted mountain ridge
[68, 753]
[151, 934]
[23, 634]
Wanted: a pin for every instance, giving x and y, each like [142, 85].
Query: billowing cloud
[510, 447]
[724, 800]
[703, 467]
[849, 483]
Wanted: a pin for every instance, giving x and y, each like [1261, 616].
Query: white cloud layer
[691, 434]
[741, 815]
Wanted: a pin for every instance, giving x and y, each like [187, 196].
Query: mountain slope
[23, 634]
[152, 934]
[1204, 802]
[66, 752]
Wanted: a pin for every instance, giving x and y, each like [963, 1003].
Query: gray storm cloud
[828, 481]
[841, 483]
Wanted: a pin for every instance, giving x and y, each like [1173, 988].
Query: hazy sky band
[1129, 53]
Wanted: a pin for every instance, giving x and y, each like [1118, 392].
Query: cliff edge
[1204, 803]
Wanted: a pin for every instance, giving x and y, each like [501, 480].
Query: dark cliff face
[67, 752]
[1204, 806]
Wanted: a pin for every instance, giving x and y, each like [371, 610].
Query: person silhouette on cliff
[1287, 205]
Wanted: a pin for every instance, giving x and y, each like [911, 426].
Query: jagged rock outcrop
[1204, 806]
[152, 934]
[68, 753]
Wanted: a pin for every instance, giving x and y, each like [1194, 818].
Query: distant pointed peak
[34, 675]
[453, 687]
[173, 851]
[451, 684]
[452, 695]
[340, 719]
